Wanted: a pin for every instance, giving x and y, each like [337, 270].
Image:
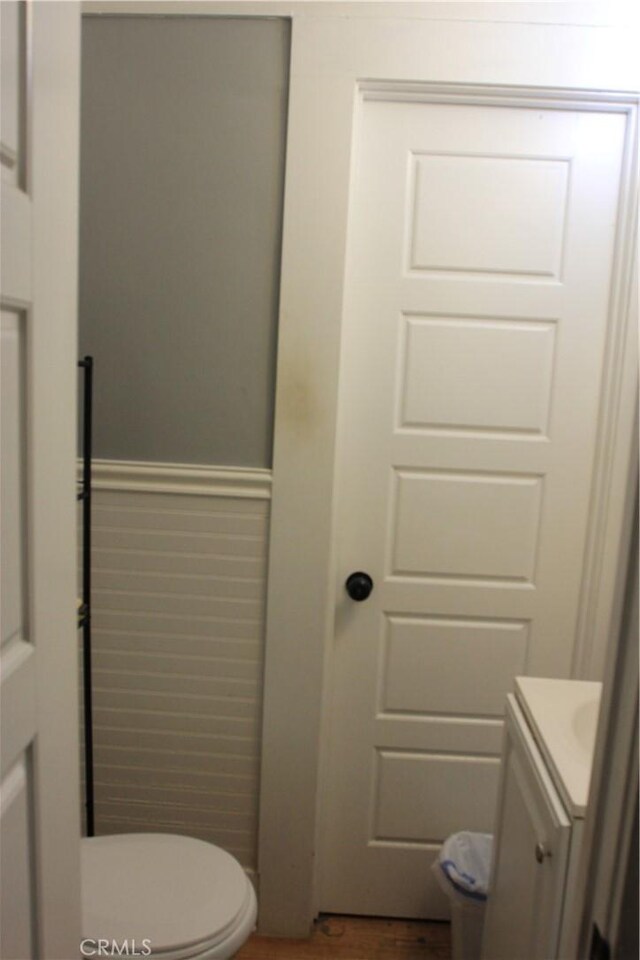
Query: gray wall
[182, 169]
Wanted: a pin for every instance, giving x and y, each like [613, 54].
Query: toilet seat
[220, 946]
[189, 898]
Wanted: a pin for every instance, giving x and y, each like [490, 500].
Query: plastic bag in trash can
[464, 864]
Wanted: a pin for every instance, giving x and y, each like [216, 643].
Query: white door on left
[39, 794]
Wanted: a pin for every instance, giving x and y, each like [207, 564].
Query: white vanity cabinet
[546, 765]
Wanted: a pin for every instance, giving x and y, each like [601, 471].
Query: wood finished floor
[357, 938]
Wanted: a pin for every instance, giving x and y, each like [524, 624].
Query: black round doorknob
[359, 585]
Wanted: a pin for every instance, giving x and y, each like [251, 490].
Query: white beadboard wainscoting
[179, 566]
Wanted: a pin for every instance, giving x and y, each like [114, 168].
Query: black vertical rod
[87, 365]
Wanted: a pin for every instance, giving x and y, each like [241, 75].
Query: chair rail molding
[131, 476]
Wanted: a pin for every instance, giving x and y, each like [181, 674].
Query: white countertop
[563, 716]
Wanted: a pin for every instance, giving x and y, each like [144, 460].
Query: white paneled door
[39, 793]
[480, 251]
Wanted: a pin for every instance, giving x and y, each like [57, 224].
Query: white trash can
[462, 871]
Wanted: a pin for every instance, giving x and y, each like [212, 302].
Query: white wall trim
[578, 12]
[615, 467]
[192, 479]
[613, 797]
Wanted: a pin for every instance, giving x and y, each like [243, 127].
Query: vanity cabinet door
[531, 853]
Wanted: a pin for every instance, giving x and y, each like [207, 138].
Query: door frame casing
[330, 61]
[52, 356]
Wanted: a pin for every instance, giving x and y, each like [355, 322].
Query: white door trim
[585, 12]
[608, 826]
[54, 171]
[329, 60]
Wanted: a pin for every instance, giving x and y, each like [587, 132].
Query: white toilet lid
[174, 891]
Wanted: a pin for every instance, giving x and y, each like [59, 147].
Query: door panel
[39, 817]
[476, 214]
[13, 52]
[417, 675]
[496, 525]
[18, 900]
[17, 652]
[12, 411]
[478, 271]
[442, 356]
[424, 795]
